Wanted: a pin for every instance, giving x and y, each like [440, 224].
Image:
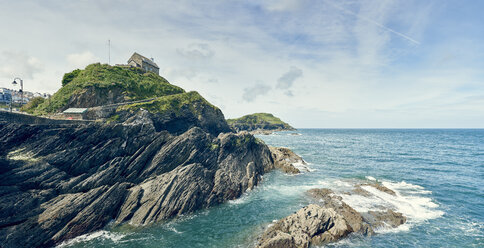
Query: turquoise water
[438, 176]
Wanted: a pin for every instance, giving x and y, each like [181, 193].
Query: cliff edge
[145, 161]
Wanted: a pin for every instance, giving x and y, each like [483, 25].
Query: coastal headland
[137, 164]
[143, 152]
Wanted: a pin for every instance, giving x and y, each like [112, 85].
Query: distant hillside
[259, 121]
[101, 84]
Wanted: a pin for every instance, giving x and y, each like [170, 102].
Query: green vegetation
[113, 118]
[134, 83]
[68, 77]
[32, 104]
[171, 104]
[213, 146]
[241, 141]
[259, 121]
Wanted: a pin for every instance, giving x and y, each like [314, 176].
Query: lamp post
[21, 89]
[11, 101]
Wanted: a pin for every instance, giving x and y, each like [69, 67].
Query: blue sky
[325, 63]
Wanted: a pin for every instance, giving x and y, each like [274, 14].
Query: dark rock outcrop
[287, 160]
[312, 224]
[92, 96]
[377, 186]
[327, 221]
[59, 181]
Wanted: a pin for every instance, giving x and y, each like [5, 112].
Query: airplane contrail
[374, 22]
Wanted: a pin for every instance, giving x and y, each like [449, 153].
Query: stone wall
[30, 119]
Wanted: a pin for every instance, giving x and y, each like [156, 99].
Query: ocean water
[438, 175]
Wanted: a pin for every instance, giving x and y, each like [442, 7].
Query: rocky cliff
[164, 153]
[59, 181]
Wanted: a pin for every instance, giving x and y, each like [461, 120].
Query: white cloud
[196, 51]
[251, 93]
[81, 60]
[354, 70]
[18, 64]
[179, 73]
[280, 5]
[287, 79]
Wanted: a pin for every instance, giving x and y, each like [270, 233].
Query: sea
[437, 174]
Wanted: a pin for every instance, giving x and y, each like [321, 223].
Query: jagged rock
[329, 200]
[360, 191]
[311, 225]
[384, 218]
[285, 159]
[277, 239]
[141, 117]
[60, 181]
[364, 222]
[380, 187]
[95, 96]
[327, 221]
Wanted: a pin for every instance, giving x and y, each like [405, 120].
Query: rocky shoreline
[327, 220]
[59, 181]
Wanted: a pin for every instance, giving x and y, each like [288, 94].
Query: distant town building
[75, 113]
[5, 96]
[144, 63]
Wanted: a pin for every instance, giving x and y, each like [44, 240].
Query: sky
[314, 64]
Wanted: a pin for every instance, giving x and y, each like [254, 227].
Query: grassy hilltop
[264, 121]
[101, 84]
[169, 107]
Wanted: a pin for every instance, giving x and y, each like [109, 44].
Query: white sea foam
[471, 228]
[388, 229]
[343, 185]
[291, 190]
[408, 200]
[370, 178]
[173, 229]
[402, 185]
[302, 167]
[115, 237]
[240, 200]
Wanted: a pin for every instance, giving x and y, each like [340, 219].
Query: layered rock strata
[59, 181]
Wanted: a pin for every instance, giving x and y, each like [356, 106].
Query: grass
[134, 83]
[32, 104]
[113, 118]
[171, 104]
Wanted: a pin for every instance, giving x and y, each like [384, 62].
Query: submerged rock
[380, 187]
[384, 218]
